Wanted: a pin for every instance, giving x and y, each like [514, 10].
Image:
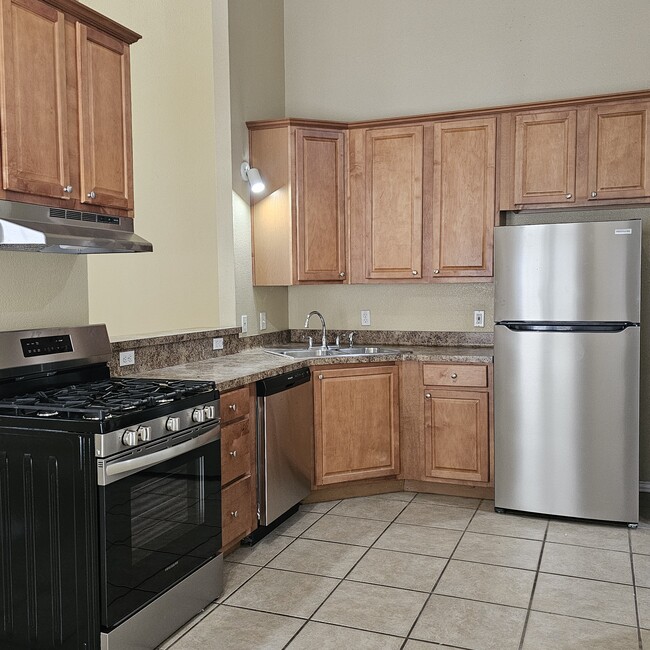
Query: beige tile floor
[421, 571]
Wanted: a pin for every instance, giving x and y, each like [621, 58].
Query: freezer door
[568, 272]
[567, 423]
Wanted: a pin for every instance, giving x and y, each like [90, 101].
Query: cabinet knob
[320, 376]
[232, 407]
[414, 272]
[91, 195]
[67, 189]
[234, 514]
[233, 453]
[594, 194]
[427, 395]
[569, 196]
[436, 271]
[454, 375]
[342, 274]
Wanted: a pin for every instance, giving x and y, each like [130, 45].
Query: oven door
[159, 519]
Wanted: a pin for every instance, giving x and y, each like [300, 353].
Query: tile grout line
[311, 618]
[634, 588]
[532, 592]
[426, 602]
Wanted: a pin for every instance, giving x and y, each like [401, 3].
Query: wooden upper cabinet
[298, 221]
[356, 423]
[33, 106]
[464, 207]
[619, 151]
[320, 205]
[65, 106]
[545, 157]
[393, 202]
[105, 119]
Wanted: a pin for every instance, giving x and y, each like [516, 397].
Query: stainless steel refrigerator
[566, 369]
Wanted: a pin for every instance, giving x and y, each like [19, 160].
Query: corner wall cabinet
[298, 221]
[356, 422]
[65, 107]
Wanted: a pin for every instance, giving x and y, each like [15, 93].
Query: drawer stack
[238, 495]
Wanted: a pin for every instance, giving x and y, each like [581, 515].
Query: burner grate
[101, 400]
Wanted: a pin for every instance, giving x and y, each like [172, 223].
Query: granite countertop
[235, 370]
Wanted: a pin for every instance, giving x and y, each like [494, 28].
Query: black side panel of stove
[49, 583]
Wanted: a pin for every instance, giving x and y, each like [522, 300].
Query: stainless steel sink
[307, 353]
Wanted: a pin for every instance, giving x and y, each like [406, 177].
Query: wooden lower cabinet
[237, 510]
[356, 423]
[456, 435]
[239, 491]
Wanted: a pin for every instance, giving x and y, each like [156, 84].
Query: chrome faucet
[322, 320]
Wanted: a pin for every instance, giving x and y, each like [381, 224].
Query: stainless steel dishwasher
[285, 432]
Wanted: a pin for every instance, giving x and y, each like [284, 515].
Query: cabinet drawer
[237, 510]
[442, 374]
[235, 451]
[234, 404]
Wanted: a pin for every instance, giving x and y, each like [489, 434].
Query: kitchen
[267, 72]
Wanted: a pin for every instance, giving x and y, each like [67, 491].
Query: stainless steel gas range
[110, 497]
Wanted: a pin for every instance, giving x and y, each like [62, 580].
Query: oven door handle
[118, 469]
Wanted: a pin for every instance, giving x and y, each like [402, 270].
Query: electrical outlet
[479, 318]
[127, 358]
[217, 344]
[365, 317]
[262, 320]
[244, 324]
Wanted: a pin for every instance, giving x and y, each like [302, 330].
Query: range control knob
[173, 424]
[130, 438]
[198, 415]
[210, 412]
[144, 434]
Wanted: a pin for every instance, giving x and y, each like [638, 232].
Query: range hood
[26, 227]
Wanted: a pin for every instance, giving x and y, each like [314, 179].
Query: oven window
[166, 507]
[156, 527]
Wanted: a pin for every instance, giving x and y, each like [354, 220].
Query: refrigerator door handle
[568, 327]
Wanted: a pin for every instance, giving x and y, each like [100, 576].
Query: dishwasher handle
[286, 381]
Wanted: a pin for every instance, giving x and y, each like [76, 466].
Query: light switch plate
[262, 320]
[127, 358]
[244, 324]
[217, 343]
[479, 318]
[365, 317]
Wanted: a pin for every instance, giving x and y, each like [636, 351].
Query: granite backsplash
[176, 349]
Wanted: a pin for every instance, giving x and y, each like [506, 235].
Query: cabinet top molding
[93, 18]
[472, 112]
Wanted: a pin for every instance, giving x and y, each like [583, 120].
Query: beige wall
[175, 161]
[256, 92]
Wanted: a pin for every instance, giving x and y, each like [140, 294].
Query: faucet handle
[338, 340]
[310, 342]
[351, 337]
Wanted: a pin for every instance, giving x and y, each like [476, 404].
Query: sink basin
[307, 353]
[302, 353]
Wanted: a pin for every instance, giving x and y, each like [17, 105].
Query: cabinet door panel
[619, 148]
[394, 203]
[34, 113]
[320, 197]
[464, 185]
[105, 119]
[545, 157]
[456, 435]
[356, 424]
